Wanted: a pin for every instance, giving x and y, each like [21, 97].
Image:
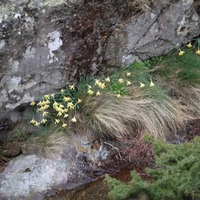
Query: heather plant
[175, 176]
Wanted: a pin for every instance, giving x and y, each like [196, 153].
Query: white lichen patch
[181, 30]
[2, 44]
[13, 7]
[188, 2]
[17, 15]
[6, 9]
[195, 17]
[4, 97]
[15, 66]
[54, 43]
[30, 52]
[25, 99]
[129, 59]
[13, 84]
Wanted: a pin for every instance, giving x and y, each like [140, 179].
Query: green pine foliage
[175, 176]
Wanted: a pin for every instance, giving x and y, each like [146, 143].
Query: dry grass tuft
[49, 146]
[188, 95]
[118, 117]
[192, 99]
[144, 5]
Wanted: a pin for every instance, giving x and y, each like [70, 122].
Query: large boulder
[46, 45]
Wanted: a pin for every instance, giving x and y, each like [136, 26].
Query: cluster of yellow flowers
[99, 85]
[58, 106]
[189, 45]
[60, 109]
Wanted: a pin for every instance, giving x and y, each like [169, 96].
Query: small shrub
[176, 175]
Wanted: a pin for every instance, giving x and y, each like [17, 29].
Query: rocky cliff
[46, 45]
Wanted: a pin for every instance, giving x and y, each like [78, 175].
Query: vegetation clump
[175, 176]
[159, 95]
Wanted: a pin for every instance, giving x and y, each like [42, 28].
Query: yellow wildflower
[73, 119]
[90, 92]
[70, 105]
[142, 85]
[40, 103]
[66, 115]
[65, 110]
[71, 87]
[45, 114]
[97, 81]
[189, 45]
[181, 53]
[121, 80]
[198, 52]
[59, 114]
[41, 109]
[98, 93]
[58, 109]
[119, 95]
[57, 121]
[67, 99]
[46, 102]
[52, 95]
[55, 104]
[61, 106]
[46, 107]
[128, 83]
[46, 96]
[102, 85]
[32, 103]
[62, 91]
[89, 86]
[107, 79]
[32, 121]
[128, 74]
[151, 84]
[64, 125]
[44, 121]
[37, 124]
[79, 100]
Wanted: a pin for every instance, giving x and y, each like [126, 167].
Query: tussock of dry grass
[192, 99]
[118, 117]
[186, 95]
[51, 146]
[144, 5]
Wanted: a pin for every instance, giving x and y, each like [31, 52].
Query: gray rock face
[33, 177]
[29, 176]
[44, 46]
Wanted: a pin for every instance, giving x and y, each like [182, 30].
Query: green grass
[184, 68]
